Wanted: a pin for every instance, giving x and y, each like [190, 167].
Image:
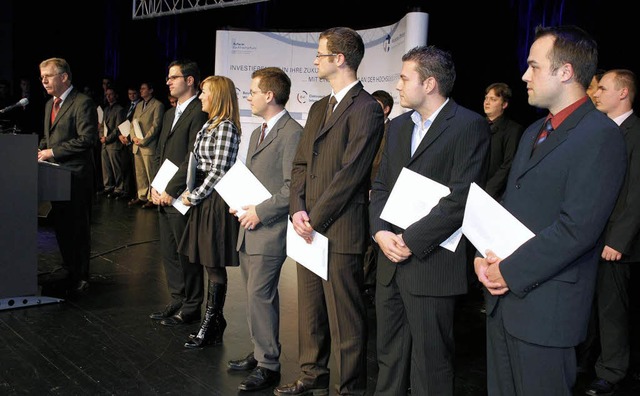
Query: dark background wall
[488, 39]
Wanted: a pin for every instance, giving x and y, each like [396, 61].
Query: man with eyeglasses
[180, 125]
[70, 133]
[328, 194]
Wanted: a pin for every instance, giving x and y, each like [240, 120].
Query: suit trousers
[112, 172]
[516, 367]
[72, 224]
[261, 275]
[144, 166]
[185, 280]
[612, 299]
[332, 317]
[415, 342]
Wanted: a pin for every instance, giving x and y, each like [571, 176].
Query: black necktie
[332, 103]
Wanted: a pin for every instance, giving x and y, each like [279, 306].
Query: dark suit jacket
[176, 144]
[73, 134]
[454, 152]
[330, 174]
[564, 193]
[114, 116]
[505, 135]
[623, 229]
[271, 163]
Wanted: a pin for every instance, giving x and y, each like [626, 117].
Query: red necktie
[264, 128]
[55, 108]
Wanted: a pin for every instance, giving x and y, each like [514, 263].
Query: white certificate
[164, 175]
[239, 187]
[314, 256]
[488, 225]
[125, 128]
[412, 198]
[100, 114]
[137, 129]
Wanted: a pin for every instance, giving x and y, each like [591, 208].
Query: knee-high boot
[210, 333]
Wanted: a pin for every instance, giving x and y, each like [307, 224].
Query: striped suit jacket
[331, 169]
[454, 152]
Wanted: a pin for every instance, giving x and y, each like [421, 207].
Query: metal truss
[143, 9]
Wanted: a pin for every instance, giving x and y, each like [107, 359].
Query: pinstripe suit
[329, 181]
[415, 299]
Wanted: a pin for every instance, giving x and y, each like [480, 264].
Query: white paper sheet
[488, 225]
[239, 187]
[105, 130]
[137, 129]
[314, 256]
[100, 114]
[125, 128]
[413, 196]
[164, 175]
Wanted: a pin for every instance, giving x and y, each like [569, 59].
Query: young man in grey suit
[563, 184]
[180, 125]
[329, 193]
[417, 280]
[263, 227]
[70, 134]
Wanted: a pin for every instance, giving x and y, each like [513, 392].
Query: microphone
[22, 102]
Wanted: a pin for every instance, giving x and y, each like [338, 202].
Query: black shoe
[248, 363]
[260, 378]
[180, 319]
[78, 289]
[169, 311]
[299, 388]
[599, 387]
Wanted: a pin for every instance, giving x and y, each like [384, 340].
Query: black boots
[213, 323]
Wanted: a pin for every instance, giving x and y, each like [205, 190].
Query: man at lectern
[70, 132]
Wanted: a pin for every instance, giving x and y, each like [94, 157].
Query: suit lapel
[340, 108]
[435, 130]
[555, 139]
[66, 104]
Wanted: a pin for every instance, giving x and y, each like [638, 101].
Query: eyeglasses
[252, 93]
[172, 78]
[319, 55]
[48, 76]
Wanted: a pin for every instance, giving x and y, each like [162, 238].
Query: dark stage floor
[105, 344]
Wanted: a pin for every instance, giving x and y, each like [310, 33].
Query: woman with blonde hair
[211, 233]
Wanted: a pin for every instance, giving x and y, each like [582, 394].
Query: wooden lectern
[23, 183]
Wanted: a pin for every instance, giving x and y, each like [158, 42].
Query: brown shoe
[148, 205]
[135, 201]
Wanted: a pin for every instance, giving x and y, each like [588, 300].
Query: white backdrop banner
[239, 53]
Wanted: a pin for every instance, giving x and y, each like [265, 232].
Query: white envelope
[413, 196]
[239, 187]
[488, 225]
[164, 175]
[314, 256]
[125, 128]
[137, 129]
